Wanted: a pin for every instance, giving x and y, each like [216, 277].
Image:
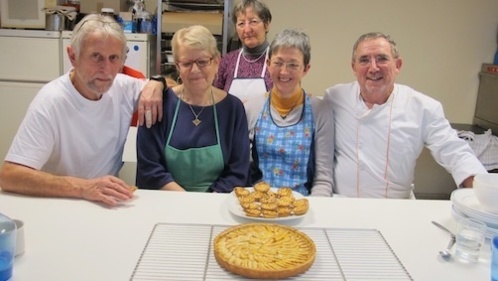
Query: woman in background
[202, 143]
[292, 133]
[243, 72]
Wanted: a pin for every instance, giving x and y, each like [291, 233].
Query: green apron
[195, 169]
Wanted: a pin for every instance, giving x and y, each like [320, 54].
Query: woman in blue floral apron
[292, 136]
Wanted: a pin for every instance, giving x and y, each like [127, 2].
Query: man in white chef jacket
[382, 127]
[71, 141]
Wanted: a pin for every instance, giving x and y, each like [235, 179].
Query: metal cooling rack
[183, 252]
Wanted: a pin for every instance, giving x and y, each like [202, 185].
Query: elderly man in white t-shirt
[71, 141]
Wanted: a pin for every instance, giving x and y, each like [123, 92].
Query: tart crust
[264, 250]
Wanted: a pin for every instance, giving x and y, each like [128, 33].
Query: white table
[78, 240]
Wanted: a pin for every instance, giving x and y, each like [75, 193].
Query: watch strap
[161, 79]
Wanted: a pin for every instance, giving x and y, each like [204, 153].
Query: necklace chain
[284, 116]
[196, 120]
[251, 61]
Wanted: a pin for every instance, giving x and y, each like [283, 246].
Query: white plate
[466, 202]
[235, 208]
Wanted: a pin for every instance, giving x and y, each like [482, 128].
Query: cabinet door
[15, 98]
[29, 59]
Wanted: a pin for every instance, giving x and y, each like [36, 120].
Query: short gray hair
[375, 35]
[95, 23]
[292, 38]
[259, 8]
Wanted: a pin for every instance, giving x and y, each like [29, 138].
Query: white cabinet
[16, 98]
[30, 58]
[29, 55]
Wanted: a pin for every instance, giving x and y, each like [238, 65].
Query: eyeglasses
[251, 23]
[293, 66]
[201, 63]
[93, 23]
[380, 60]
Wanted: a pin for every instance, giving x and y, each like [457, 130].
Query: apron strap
[264, 63]
[173, 124]
[237, 64]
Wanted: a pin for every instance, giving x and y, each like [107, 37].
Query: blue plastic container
[494, 259]
[7, 247]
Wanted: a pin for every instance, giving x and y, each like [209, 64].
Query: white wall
[443, 43]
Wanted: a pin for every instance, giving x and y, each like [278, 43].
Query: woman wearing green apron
[292, 133]
[202, 144]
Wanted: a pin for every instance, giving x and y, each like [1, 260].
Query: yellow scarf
[285, 105]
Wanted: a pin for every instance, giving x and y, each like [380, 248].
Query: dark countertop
[468, 127]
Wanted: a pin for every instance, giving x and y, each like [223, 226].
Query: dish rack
[184, 252]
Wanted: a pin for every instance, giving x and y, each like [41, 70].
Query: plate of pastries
[265, 203]
[263, 250]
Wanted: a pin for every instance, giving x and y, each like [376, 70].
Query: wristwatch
[161, 79]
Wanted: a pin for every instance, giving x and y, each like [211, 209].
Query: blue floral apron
[284, 152]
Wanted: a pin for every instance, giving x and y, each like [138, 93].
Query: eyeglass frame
[292, 66]
[198, 62]
[251, 23]
[110, 23]
[379, 60]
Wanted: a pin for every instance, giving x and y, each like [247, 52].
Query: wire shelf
[183, 252]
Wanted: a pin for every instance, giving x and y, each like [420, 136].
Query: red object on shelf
[137, 74]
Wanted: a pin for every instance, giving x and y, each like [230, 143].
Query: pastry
[270, 203]
[269, 206]
[301, 206]
[257, 195]
[246, 199]
[253, 212]
[284, 211]
[269, 213]
[264, 251]
[286, 201]
[269, 198]
[240, 191]
[262, 186]
[284, 191]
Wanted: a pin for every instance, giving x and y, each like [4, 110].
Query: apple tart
[264, 250]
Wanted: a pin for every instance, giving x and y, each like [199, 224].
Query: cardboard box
[172, 21]
[94, 6]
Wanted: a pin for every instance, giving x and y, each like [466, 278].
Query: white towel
[485, 147]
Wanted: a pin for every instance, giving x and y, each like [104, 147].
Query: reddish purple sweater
[246, 70]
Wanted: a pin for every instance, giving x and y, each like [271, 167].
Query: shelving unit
[162, 47]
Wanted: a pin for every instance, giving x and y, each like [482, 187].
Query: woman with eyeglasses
[202, 143]
[243, 72]
[291, 132]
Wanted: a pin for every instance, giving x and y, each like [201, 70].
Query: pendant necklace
[284, 116]
[196, 120]
[255, 60]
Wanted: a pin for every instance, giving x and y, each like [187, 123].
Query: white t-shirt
[64, 133]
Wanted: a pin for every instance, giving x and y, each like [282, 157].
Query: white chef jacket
[376, 149]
